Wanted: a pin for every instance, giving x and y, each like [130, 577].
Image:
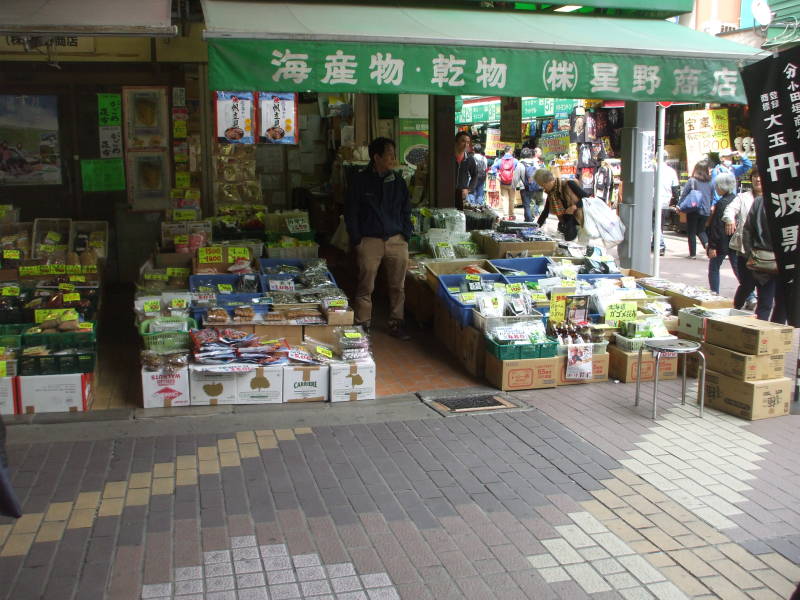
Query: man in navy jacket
[378, 219]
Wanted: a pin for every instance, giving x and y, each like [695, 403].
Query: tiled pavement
[581, 496]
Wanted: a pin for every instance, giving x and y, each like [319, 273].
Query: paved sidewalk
[580, 496]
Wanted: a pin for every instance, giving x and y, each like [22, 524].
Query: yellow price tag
[11, 254]
[324, 351]
[53, 236]
[558, 308]
[514, 288]
[212, 254]
[620, 312]
[66, 287]
[237, 253]
[28, 271]
[11, 290]
[468, 297]
[181, 240]
[177, 272]
[77, 278]
[184, 214]
[179, 303]
[86, 326]
[352, 335]
[473, 277]
[76, 297]
[183, 179]
[152, 306]
[3, 369]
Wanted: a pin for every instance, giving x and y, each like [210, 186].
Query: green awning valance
[373, 49]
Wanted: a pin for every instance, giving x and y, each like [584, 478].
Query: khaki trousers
[508, 197]
[393, 253]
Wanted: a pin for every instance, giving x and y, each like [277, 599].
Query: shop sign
[705, 131]
[297, 65]
[532, 108]
[63, 44]
[553, 144]
[773, 89]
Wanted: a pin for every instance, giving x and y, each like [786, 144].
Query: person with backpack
[481, 166]
[466, 175]
[526, 184]
[695, 203]
[505, 168]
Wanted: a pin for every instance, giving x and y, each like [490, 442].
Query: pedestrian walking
[378, 219]
[481, 166]
[734, 217]
[505, 168]
[695, 203]
[718, 249]
[531, 191]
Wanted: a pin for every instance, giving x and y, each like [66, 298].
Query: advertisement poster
[149, 180]
[277, 118]
[511, 120]
[29, 150]
[493, 144]
[235, 116]
[145, 117]
[771, 86]
[579, 361]
[412, 141]
[705, 131]
[553, 144]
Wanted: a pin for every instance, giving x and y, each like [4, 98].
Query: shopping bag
[692, 202]
[340, 239]
[600, 221]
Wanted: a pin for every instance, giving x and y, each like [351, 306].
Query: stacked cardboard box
[745, 360]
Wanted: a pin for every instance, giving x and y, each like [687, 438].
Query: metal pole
[661, 128]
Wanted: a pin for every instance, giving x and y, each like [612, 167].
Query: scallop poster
[235, 117]
[278, 118]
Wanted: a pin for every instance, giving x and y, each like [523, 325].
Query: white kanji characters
[560, 75]
[291, 66]
[386, 69]
[796, 107]
[340, 68]
[776, 139]
[646, 78]
[765, 102]
[605, 77]
[780, 162]
[491, 73]
[787, 203]
[794, 97]
[790, 71]
[789, 237]
[686, 81]
[773, 120]
[792, 86]
[447, 70]
[725, 82]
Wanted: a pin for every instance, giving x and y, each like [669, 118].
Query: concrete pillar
[442, 168]
[636, 208]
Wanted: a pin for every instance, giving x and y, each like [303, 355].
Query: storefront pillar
[636, 208]
[442, 168]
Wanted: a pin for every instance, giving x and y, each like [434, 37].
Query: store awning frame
[246, 38]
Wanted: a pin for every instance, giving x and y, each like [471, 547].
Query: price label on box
[155, 277]
[151, 306]
[352, 335]
[179, 303]
[73, 269]
[281, 285]
[184, 214]
[235, 254]
[509, 334]
[11, 290]
[324, 351]
[28, 271]
[181, 240]
[77, 278]
[298, 225]
[86, 326]
[66, 287]
[210, 255]
[11, 254]
[514, 288]
[225, 288]
[178, 272]
[74, 297]
[468, 298]
[338, 302]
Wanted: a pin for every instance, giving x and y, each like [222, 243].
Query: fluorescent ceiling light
[568, 8]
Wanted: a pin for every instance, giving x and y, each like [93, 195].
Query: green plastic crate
[548, 349]
[521, 351]
[57, 364]
[15, 328]
[85, 340]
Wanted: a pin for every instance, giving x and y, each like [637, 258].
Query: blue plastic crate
[532, 266]
[462, 313]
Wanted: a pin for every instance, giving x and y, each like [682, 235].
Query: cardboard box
[306, 383]
[339, 318]
[750, 336]
[210, 388]
[694, 328]
[495, 249]
[8, 396]
[679, 301]
[745, 367]
[623, 365]
[54, 393]
[750, 400]
[600, 367]
[420, 299]
[262, 385]
[469, 347]
[353, 380]
[444, 326]
[321, 333]
[435, 268]
[527, 374]
[164, 389]
[292, 333]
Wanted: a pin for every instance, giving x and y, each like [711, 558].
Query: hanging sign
[235, 116]
[278, 122]
[705, 131]
[773, 91]
[103, 175]
[109, 110]
[110, 141]
[553, 144]
[511, 119]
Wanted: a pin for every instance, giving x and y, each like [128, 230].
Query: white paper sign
[298, 225]
[110, 141]
[579, 361]
[281, 285]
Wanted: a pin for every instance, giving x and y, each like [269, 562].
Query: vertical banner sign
[705, 131]
[773, 93]
[109, 121]
[511, 120]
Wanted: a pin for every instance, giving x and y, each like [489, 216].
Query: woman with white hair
[718, 248]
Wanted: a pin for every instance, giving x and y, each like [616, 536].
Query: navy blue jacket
[377, 206]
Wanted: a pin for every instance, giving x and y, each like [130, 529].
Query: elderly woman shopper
[564, 199]
[734, 216]
[718, 248]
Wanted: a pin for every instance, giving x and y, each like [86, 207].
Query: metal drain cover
[477, 400]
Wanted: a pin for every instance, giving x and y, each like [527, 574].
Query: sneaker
[396, 330]
[692, 256]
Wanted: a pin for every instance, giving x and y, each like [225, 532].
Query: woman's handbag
[762, 261]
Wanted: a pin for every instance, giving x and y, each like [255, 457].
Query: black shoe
[396, 330]
[662, 252]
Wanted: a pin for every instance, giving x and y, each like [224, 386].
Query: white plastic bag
[340, 239]
[600, 221]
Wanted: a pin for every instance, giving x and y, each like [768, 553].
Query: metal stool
[685, 347]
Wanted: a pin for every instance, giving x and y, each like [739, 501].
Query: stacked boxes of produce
[49, 301]
[745, 361]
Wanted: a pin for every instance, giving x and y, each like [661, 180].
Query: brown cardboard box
[748, 399]
[449, 267]
[745, 367]
[750, 336]
[444, 326]
[320, 333]
[600, 366]
[495, 249]
[679, 301]
[341, 317]
[420, 299]
[623, 365]
[292, 333]
[469, 349]
[694, 328]
[527, 374]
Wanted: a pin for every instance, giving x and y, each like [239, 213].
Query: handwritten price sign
[619, 312]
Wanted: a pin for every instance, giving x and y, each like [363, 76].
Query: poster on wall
[29, 150]
[145, 116]
[149, 180]
[705, 131]
[412, 141]
[277, 118]
[553, 144]
[510, 119]
[493, 144]
[235, 117]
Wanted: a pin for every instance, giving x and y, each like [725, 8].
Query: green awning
[381, 49]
